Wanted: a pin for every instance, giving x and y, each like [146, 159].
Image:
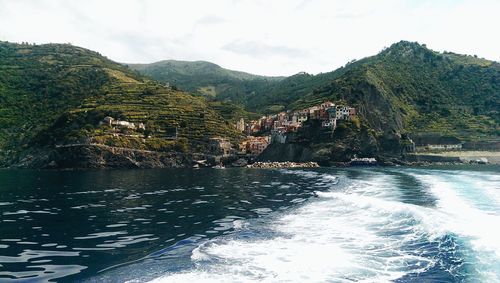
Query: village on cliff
[275, 128]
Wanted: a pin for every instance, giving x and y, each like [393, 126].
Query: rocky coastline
[102, 157]
[286, 164]
[99, 157]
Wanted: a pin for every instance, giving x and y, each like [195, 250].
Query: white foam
[359, 234]
[465, 218]
[339, 238]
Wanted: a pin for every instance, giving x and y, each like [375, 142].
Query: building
[219, 146]
[313, 109]
[436, 143]
[254, 145]
[302, 116]
[240, 125]
[321, 114]
[252, 127]
[325, 112]
[327, 105]
[332, 113]
[110, 121]
[282, 116]
[342, 112]
[446, 147]
[352, 112]
[125, 124]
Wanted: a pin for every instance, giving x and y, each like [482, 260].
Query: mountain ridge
[56, 95]
[376, 71]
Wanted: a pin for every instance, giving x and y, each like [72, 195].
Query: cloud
[259, 49]
[210, 20]
[279, 37]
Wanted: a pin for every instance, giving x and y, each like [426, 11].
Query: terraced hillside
[208, 79]
[57, 94]
[261, 94]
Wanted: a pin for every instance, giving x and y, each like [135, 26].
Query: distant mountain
[206, 78]
[58, 94]
[256, 93]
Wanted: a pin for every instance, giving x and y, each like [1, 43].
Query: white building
[342, 112]
[444, 146]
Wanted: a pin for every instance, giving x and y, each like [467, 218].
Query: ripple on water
[127, 240]
[42, 272]
[101, 235]
[116, 225]
[20, 212]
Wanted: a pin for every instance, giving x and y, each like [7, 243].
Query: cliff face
[294, 152]
[99, 156]
[313, 143]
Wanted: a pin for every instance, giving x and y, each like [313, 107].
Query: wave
[354, 235]
[470, 205]
[361, 228]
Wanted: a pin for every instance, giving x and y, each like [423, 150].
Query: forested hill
[58, 93]
[256, 93]
[410, 88]
[206, 78]
[405, 88]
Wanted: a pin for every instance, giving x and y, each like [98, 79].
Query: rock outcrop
[100, 156]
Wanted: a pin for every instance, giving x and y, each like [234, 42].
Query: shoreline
[285, 164]
[124, 159]
[467, 157]
[343, 165]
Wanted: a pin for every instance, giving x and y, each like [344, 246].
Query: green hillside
[405, 88]
[57, 94]
[207, 79]
[255, 93]
[409, 88]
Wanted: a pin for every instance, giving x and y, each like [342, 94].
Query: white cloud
[259, 49]
[279, 37]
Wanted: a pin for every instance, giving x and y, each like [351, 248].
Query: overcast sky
[261, 37]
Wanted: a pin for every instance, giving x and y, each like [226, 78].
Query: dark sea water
[251, 225]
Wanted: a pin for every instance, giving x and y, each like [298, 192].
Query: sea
[373, 224]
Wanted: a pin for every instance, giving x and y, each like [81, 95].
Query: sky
[273, 37]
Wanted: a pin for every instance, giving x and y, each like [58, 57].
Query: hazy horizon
[274, 38]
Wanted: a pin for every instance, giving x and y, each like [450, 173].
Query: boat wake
[361, 231]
